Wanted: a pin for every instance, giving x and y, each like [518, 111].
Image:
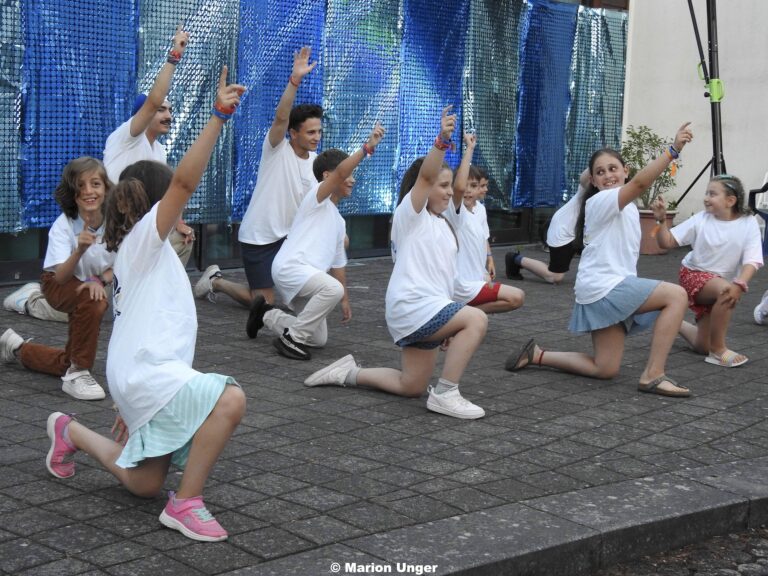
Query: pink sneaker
[190, 517]
[59, 460]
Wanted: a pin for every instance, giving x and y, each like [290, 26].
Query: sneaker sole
[170, 522]
[440, 410]
[51, 429]
[97, 396]
[283, 350]
[314, 379]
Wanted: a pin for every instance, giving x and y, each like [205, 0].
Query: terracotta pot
[648, 243]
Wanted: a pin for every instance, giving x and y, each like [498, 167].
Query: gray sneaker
[204, 286]
[9, 343]
[760, 313]
[452, 403]
[334, 374]
[81, 385]
[16, 301]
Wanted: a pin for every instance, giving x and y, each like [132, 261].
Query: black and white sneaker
[256, 316]
[512, 270]
[289, 348]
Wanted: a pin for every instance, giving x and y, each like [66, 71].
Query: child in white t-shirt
[169, 412]
[475, 269]
[727, 251]
[77, 266]
[562, 242]
[309, 269]
[420, 310]
[611, 301]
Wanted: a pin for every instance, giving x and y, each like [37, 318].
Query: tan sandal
[652, 387]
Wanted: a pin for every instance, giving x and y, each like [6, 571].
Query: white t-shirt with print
[315, 244]
[473, 235]
[155, 325]
[562, 226]
[283, 181]
[720, 246]
[62, 242]
[122, 150]
[611, 246]
[424, 250]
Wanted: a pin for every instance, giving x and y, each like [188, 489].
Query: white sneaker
[9, 343]
[204, 286]
[760, 315]
[452, 403]
[333, 374]
[16, 301]
[82, 386]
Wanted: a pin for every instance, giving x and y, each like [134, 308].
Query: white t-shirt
[424, 250]
[283, 181]
[314, 244]
[611, 246]
[720, 246]
[62, 241]
[122, 150]
[562, 226]
[473, 235]
[153, 338]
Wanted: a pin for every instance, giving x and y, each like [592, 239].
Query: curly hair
[68, 188]
[733, 187]
[125, 206]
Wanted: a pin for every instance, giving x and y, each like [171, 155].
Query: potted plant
[640, 146]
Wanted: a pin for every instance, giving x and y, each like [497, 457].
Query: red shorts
[693, 281]
[488, 293]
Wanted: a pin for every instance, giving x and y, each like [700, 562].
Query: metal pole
[718, 162]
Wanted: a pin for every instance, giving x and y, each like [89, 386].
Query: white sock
[444, 386]
[351, 377]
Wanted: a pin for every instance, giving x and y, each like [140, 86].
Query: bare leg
[697, 335]
[466, 329]
[210, 439]
[417, 367]
[509, 299]
[541, 270]
[671, 300]
[720, 317]
[238, 292]
[145, 480]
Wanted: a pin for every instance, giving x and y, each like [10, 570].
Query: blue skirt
[417, 339]
[170, 431]
[617, 307]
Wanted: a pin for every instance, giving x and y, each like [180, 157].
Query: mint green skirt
[170, 431]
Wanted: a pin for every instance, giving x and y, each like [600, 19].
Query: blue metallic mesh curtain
[597, 89]
[11, 54]
[361, 86]
[547, 45]
[431, 76]
[73, 89]
[490, 92]
[212, 26]
[270, 31]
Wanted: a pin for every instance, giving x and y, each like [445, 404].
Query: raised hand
[683, 136]
[375, 136]
[447, 124]
[228, 95]
[301, 65]
[470, 140]
[180, 38]
[659, 208]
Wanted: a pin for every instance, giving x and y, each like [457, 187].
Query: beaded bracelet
[367, 149]
[441, 144]
[174, 57]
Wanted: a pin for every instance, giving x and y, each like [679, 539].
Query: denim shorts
[416, 339]
[617, 307]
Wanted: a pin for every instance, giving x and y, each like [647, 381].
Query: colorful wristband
[220, 114]
[441, 144]
[174, 56]
[674, 152]
[367, 149]
[293, 82]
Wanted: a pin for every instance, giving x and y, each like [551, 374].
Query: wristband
[741, 284]
[95, 279]
[174, 56]
[674, 152]
[219, 114]
[293, 82]
[489, 255]
[367, 149]
[441, 144]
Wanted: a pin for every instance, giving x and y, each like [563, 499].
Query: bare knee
[477, 321]
[516, 298]
[151, 488]
[555, 277]
[606, 372]
[231, 403]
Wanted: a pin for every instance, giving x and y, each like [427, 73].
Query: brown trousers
[84, 325]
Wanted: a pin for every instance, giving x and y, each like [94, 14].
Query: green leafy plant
[640, 147]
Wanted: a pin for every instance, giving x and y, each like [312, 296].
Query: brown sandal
[527, 351]
[652, 387]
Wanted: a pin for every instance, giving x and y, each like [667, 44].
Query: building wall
[663, 88]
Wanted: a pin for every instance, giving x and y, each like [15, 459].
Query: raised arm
[462, 173]
[433, 162]
[344, 170]
[190, 169]
[142, 119]
[645, 177]
[664, 237]
[301, 67]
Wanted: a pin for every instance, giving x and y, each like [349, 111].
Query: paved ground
[563, 475]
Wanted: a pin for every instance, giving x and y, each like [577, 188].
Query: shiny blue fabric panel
[597, 90]
[270, 32]
[434, 37]
[547, 44]
[11, 54]
[361, 84]
[212, 27]
[79, 64]
[490, 92]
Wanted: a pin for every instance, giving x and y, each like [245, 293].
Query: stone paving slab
[563, 475]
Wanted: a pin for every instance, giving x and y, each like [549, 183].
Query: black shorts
[560, 257]
[257, 262]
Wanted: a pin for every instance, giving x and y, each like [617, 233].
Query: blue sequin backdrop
[540, 82]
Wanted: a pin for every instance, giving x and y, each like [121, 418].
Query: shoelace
[203, 514]
[87, 379]
[211, 296]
